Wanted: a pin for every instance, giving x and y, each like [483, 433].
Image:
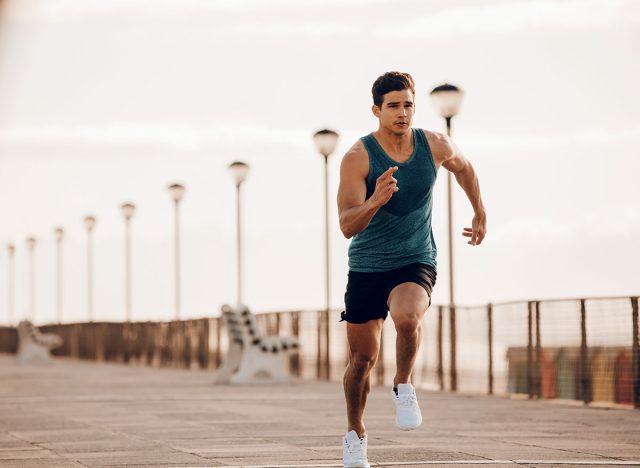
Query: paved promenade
[75, 413]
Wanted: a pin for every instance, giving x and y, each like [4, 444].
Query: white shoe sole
[357, 465]
[408, 428]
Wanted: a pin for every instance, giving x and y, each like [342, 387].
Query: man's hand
[386, 186]
[478, 229]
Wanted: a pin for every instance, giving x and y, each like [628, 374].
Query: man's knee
[408, 303]
[362, 363]
[407, 323]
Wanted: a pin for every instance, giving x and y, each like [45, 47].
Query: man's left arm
[455, 162]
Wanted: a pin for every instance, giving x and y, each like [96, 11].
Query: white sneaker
[354, 453]
[408, 414]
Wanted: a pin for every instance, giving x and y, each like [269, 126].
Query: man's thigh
[408, 300]
[364, 338]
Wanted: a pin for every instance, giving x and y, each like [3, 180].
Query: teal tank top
[400, 232]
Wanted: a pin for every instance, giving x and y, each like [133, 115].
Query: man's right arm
[355, 210]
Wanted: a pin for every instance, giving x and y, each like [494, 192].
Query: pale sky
[107, 101]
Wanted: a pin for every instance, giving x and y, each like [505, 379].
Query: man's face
[396, 112]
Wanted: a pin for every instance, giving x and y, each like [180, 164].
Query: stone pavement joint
[87, 414]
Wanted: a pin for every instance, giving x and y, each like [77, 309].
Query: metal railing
[578, 349]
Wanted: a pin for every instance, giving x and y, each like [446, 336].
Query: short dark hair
[391, 81]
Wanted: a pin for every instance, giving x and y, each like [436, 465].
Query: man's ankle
[360, 431]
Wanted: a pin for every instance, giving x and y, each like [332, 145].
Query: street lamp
[89, 224]
[177, 193]
[447, 99]
[239, 171]
[11, 250]
[59, 234]
[325, 141]
[31, 245]
[127, 211]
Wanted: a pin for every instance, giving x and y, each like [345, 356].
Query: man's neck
[397, 143]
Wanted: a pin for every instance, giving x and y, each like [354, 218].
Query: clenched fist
[386, 186]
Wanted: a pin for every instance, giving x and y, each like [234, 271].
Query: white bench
[33, 346]
[236, 342]
[253, 357]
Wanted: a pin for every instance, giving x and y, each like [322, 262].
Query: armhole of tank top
[425, 142]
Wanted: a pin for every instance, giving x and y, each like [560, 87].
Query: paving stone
[80, 413]
[53, 435]
[86, 446]
[29, 453]
[15, 444]
[45, 463]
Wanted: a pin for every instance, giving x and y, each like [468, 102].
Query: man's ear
[376, 110]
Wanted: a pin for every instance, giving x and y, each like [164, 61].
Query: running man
[384, 202]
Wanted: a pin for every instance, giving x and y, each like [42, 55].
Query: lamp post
[447, 99]
[59, 234]
[31, 245]
[325, 141]
[177, 193]
[127, 211]
[11, 250]
[89, 224]
[239, 171]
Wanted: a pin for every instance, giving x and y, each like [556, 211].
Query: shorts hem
[344, 318]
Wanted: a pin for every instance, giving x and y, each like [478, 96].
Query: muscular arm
[447, 154]
[355, 210]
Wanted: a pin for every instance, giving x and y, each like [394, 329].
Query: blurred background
[108, 102]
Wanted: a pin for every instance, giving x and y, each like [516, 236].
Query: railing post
[327, 342]
[452, 334]
[126, 334]
[218, 344]
[163, 334]
[538, 368]
[174, 343]
[101, 355]
[187, 334]
[149, 343]
[585, 390]
[319, 345]
[440, 363]
[74, 346]
[635, 354]
[203, 343]
[490, 342]
[529, 350]
[295, 360]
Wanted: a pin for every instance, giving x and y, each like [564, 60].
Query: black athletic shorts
[368, 292]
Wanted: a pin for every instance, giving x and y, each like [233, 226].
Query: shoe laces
[356, 447]
[407, 400]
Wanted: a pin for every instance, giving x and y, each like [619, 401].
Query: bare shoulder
[356, 160]
[441, 146]
[353, 175]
